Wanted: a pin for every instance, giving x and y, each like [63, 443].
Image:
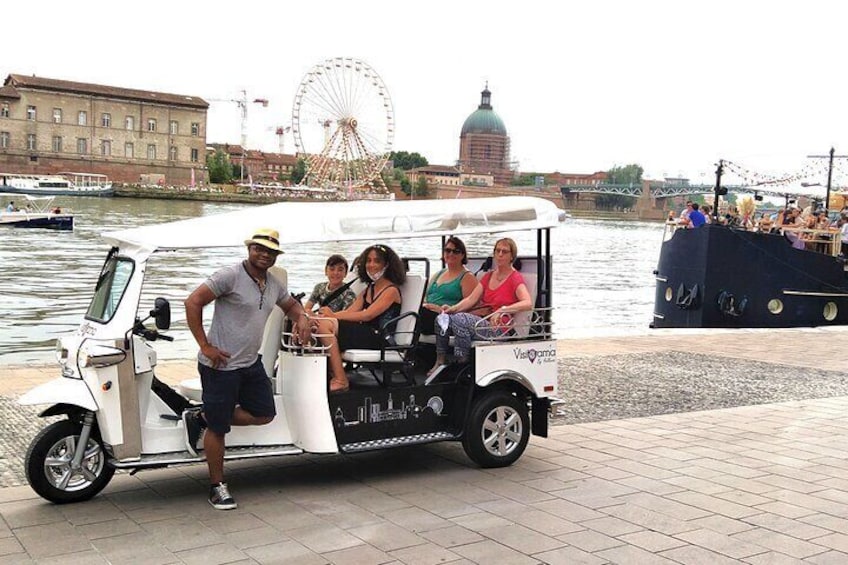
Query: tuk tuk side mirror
[161, 313]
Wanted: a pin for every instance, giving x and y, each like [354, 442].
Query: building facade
[49, 126]
[484, 143]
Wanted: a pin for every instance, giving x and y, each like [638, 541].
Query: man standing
[236, 389]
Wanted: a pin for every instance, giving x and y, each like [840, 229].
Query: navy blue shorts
[248, 387]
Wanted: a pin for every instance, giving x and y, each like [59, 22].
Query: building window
[82, 119]
[57, 144]
[151, 152]
[129, 150]
[151, 124]
[4, 139]
[106, 120]
[195, 128]
[4, 110]
[106, 148]
[57, 115]
[175, 127]
[172, 153]
[31, 142]
[31, 113]
[195, 155]
[82, 145]
[129, 123]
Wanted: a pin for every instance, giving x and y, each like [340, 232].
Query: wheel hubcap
[58, 465]
[502, 431]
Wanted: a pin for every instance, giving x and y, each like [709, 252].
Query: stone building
[484, 143]
[442, 175]
[49, 126]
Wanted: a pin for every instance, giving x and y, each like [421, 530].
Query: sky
[581, 86]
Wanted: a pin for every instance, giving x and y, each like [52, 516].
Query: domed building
[484, 143]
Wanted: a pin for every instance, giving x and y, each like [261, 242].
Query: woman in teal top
[448, 286]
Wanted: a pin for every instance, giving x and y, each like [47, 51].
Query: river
[603, 282]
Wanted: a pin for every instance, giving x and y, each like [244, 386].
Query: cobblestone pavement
[597, 388]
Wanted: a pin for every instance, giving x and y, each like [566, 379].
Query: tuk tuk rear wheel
[48, 464]
[497, 429]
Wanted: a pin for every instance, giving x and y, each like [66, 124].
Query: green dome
[483, 121]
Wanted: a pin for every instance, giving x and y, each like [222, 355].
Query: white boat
[38, 212]
[63, 184]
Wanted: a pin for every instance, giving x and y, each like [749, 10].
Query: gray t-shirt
[241, 311]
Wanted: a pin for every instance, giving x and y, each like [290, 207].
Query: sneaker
[193, 429]
[220, 498]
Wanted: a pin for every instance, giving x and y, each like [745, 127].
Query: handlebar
[148, 334]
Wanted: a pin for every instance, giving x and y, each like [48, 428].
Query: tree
[421, 186]
[525, 179]
[299, 171]
[219, 167]
[406, 161]
[628, 174]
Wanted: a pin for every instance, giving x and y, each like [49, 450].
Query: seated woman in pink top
[502, 290]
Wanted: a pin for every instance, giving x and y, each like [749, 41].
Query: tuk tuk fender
[62, 390]
[507, 376]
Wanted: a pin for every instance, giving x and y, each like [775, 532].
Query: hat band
[268, 237]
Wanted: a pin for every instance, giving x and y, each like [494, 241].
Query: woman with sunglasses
[361, 326]
[502, 291]
[448, 286]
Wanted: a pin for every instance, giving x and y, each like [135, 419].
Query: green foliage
[628, 174]
[219, 167]
[421, 186]
[525, 179]
[406, 161]
[405, 185]
[299, 171]
[625, 175]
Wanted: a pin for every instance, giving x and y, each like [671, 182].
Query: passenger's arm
[524, 302]
[469, 283]
[294, 311]
[326, 312]
[468, 302]
[383, 303]
[194, 304]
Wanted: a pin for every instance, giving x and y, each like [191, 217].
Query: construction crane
[280, 132]
[242, 104]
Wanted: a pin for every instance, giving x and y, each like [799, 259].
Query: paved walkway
[760, 484]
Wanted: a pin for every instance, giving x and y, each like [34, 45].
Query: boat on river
[39, 212]
[719, 276]
[62, 184]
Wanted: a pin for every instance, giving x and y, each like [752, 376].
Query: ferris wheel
[343, 120]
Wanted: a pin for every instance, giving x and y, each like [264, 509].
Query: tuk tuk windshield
[113, 281]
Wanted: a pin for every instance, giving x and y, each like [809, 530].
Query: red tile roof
[41, 83]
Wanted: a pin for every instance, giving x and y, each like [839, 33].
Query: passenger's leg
[462, 325]
[442, 343]
[328, 329]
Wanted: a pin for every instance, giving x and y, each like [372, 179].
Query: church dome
[484, 119]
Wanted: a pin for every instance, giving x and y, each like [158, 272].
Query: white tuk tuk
[118, 415]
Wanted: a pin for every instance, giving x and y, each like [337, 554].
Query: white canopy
[308, 222]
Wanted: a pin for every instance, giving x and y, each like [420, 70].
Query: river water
[603, 282]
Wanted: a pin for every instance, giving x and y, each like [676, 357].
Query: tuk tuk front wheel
[49, 464]
[497, 430]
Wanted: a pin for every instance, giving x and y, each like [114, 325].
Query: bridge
[664, 190]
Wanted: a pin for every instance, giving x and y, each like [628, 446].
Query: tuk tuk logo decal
[536, 356]
[370, 412]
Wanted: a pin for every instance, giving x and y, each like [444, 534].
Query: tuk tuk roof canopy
[362, 220]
